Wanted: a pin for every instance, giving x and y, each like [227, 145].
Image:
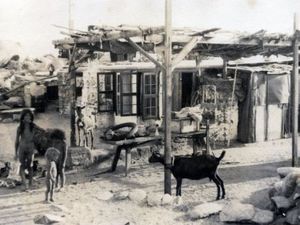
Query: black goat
[194, 167]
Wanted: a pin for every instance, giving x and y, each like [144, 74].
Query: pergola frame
[198, 43]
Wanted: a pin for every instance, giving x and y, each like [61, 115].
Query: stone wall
[64, 93]
[78, 157]
[223, 116]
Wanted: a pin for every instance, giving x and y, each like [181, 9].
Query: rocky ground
[248, 171]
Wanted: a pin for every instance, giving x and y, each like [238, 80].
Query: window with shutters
[106, 92]
[129, 93]
[150, 107]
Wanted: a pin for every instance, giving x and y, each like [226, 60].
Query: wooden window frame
[136, 93]
[145, 96]
[113, 91]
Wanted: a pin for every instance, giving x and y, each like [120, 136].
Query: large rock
[138, 196]
[292, 216]
[237, 212]
[289, 183]
[281, 202]
[47, 219]
[104, 196]
[284, 171]
[154, 199]
[121, 195]
[296, 195]
[263, 216]
[167, 200]
[205, 210]
[60, 208]
[279, 221]
[278, 186]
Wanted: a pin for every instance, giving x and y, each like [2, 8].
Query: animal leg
[216, 181]
[78, 132]
[56, 183]
[22, 174]
[86, 139]
[92, 139]
[30, 173]
[222, 185]
[178, 186]
[62, 177]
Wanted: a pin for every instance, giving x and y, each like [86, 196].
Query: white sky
[29, 22]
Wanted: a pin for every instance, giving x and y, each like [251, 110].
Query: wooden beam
[184, 52]
[146, 54]
[82, 58]
[168, 93]
[202, 33]
[110, 35]
[295, 102]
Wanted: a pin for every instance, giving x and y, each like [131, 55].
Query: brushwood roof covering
[210, 42]
[269, 68]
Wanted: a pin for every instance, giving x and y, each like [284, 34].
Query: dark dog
[4, 172]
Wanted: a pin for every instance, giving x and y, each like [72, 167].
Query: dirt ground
[247, 171]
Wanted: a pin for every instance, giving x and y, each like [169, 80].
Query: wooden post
[73, 97]
[231, 106]
[295, 96]
[208, 149]
[225, 61]
[168, 93]
[127, 160]
[267, 116]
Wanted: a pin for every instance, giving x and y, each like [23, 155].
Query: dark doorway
[52, 93]
[79, 84]
[186, 89]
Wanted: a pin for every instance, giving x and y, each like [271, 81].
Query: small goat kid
[87, 125]
[194, 167]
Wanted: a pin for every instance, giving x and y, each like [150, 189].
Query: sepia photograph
[149, 112]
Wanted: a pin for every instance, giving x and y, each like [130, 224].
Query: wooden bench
[128, 145]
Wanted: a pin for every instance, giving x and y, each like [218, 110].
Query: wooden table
[128, 145]
[197, 137]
